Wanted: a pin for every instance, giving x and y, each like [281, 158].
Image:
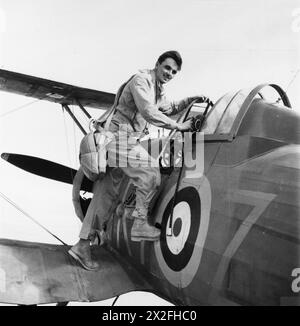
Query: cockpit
[236, 112]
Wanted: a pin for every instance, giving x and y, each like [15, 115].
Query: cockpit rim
[245, 106]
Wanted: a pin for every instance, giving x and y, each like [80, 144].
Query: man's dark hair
[171, 54]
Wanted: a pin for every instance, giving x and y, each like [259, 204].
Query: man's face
[166, 70]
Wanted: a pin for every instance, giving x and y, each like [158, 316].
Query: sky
[225, 44]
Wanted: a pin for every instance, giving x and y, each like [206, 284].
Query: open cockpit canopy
[248, 112]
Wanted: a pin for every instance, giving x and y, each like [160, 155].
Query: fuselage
[236, 226]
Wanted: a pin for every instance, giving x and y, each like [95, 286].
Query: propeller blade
[46, 169]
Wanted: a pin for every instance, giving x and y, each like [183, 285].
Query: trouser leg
[143, 170]
[146, 180]
[103, 202]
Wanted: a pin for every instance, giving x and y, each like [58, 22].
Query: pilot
[142, 102]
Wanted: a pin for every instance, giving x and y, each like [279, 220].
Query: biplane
[230, 233]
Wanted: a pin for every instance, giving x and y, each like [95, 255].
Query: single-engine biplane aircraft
[229, 235]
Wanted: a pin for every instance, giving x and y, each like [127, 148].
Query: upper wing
[53, 91]
[32, 273]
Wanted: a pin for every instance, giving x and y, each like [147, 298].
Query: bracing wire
[30, 217]
[290, 83]
[18, 108]
[115, 300]
[67, 143]
[66, 137]
[75, 140]
[293, 79]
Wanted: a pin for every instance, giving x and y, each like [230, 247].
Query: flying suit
[141, 103]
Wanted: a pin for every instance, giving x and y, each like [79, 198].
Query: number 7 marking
[260, 201]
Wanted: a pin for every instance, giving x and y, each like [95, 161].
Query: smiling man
[140, 102]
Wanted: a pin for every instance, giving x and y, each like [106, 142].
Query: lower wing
[35, 273]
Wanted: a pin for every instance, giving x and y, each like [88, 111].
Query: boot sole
[80, 261]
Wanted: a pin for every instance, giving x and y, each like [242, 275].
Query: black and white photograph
[150, 154]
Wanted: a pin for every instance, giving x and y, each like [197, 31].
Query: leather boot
[98, 238]
[141, 230]
[81, 252]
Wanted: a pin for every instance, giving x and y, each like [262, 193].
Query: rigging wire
[293, 78]
[290, 83]
[75, 140]
[67, 139]
[30, 217]
[19, 108]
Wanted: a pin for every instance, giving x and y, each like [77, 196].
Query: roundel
[178, 248]
[179, 252]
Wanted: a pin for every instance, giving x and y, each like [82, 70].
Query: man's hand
[185, 126]
[200, 98]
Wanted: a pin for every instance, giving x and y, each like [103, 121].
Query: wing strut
[83, 109]
[115, 301]
[66, 107]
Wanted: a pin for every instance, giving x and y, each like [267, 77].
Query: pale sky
[225, 45]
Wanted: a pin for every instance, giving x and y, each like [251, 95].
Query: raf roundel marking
[177, 250]
[181, 227]
[179, 255]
